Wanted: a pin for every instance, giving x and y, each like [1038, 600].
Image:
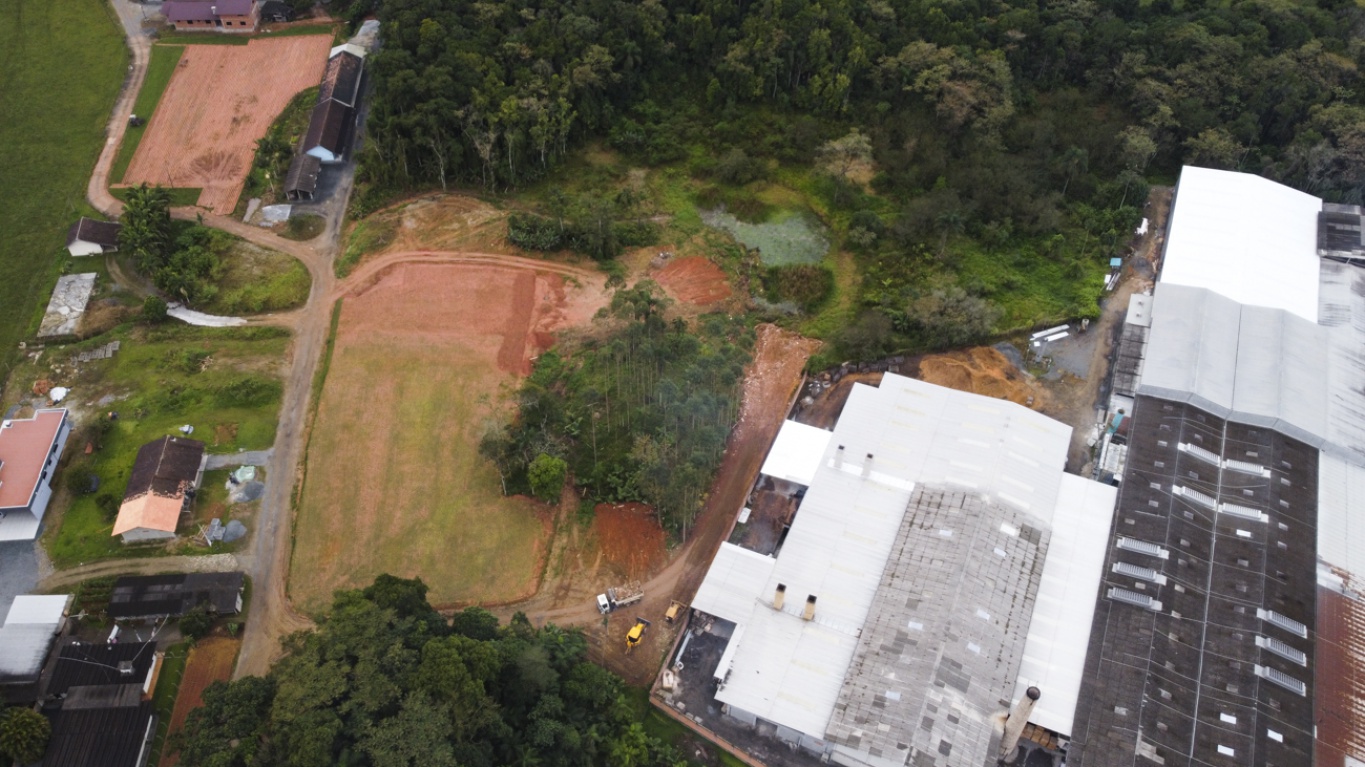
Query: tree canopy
[385, 682]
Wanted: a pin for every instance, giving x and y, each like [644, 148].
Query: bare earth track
[221, 99]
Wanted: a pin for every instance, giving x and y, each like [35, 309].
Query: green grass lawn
[222, 381]
[62, 65]
[258, 280]
[159, 70]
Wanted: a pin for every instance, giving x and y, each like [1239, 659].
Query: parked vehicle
[618, 597]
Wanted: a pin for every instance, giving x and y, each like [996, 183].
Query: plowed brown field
[424, 357]
[210, 661]
[221, 99]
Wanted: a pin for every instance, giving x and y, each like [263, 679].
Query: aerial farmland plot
[220, 101]
[424, 355]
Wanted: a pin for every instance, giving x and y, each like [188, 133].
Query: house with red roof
[30, 449]
[212, 15]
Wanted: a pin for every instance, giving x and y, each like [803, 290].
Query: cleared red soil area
[694, 280]
[210, 661]
[221, 99]
[629, 537]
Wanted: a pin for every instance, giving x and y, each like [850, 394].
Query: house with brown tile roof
[162, 486]
[211, 15]
[29, 451]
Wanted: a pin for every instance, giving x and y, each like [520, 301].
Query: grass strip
[164, 60]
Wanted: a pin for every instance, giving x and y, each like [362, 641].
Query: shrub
[80, 480]
[108, 504]
[547, 474]
[196, 623]
[249, 391]
[154, 310]
[527, 230]
[806, 285]
[24, 734]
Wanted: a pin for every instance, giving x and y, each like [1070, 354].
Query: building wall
[44, 494]
[139, 534]
[82, 248]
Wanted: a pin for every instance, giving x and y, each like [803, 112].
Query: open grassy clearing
[159, 70]
[258, 280]
[62, 63]
[395, 482]
[304, 227]
[369, 236]
[225, 382]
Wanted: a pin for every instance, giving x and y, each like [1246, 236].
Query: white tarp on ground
[1059, 634]
[796, 453]
[789, 671]
[1249, 238]
[191, 317]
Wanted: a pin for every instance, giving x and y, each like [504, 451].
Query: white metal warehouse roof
[1059, 633]
[1249, 238]
[796, 453]
[789, 671]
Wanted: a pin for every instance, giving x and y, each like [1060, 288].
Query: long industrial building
[939, 564]
[1227, 627]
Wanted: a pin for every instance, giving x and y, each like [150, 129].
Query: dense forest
[386, 681]
[982, 159]
[640, 412]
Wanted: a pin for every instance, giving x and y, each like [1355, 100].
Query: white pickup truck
[618, 597]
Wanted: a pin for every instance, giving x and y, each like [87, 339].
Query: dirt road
[141, 566]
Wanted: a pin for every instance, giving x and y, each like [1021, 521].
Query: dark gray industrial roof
[1216, 526]
[303, 174]
[141, 596]
[341, 80]
[100, 736]
[328, 127]
[83, 664]
[941, 648]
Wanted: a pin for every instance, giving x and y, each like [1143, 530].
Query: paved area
[18, 571]
[67, 304]
[244, 458]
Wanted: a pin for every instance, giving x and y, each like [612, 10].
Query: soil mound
[982, 370]
[694, 280]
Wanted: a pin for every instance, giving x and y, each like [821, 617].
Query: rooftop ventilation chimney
[867, 466]
[1014, 725]
[839, 457]
[809, 614]
[780, 596]
[125, 668]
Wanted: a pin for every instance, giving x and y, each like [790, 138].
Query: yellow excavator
[636, 633]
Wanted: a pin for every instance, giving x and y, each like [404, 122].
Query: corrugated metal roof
[36, 608]
[796, 453]
[1054, 654]
[1249, 238]
[789, 671]
[735, 581]
[1247, 364]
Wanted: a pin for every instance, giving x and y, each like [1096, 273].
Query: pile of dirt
[985, 371]
[630, 538]
[694, 280]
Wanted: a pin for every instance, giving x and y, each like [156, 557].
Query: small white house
[89, 237]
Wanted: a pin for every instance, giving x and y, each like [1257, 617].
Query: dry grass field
[221, 99]
[424, 355]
